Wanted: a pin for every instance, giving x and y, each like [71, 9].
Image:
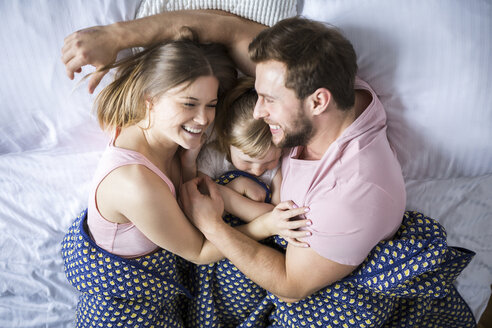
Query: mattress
[428, 62]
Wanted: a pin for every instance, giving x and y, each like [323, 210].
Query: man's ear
[319, 101]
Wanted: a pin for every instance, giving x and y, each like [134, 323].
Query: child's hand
[282, 221]
[248, 188]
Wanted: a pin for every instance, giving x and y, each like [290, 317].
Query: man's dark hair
[315, 55]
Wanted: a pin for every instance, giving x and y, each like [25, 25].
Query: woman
[124, 253]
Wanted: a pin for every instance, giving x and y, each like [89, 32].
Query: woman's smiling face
[182, 114]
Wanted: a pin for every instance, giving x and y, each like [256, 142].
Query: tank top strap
[128, 157]
[117, 157]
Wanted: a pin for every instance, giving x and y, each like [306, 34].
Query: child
[123, 252]
[245, 144]
[240, 156]
[242, 142]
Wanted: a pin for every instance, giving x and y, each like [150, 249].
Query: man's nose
[259, 112]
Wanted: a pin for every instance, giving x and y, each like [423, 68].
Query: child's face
[255, 166]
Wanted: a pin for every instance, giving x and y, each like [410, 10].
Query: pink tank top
[122, 239]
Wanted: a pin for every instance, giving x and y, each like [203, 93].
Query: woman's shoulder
[136, 182]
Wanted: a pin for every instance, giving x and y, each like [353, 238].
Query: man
[340, 165]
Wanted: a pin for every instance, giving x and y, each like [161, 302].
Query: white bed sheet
[49, 146]
[50, 143]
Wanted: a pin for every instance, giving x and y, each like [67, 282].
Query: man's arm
[99, 45]
[293, 276]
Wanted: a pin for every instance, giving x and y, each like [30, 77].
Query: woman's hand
[96, 46]
[285, 220]
[202, 203]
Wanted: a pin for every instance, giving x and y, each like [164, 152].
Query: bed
[430, 63]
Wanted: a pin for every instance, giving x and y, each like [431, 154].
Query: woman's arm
[98, 46]
[156, 213]
[136, 194]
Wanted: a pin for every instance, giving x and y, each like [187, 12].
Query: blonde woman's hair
[236, 126]
[150, 73]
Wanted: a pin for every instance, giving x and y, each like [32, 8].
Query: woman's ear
[319, 101]
[146, 121]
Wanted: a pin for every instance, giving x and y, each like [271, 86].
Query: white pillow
[430, 63]
[266, 12]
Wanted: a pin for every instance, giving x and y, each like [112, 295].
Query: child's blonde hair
[236, 126]
[150, 73]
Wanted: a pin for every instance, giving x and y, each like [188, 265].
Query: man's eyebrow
[266, 95]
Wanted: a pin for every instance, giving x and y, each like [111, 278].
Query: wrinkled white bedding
[50, 143]
[49, 146]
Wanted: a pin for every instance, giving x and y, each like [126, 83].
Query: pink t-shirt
[356, 192]
[123, 239]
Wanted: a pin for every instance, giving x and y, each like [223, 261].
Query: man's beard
[302, 134]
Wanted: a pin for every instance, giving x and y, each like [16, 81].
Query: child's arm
[247, 202]
[238, 205]
[248, 188]
[275, 187]
[269, 224]
[264, 219]
[244, 208]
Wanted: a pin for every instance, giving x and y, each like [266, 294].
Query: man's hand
[99, 45]
[202, 203]
[248, 188]
[96, 46]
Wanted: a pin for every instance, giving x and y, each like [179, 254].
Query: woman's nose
[201, 116]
